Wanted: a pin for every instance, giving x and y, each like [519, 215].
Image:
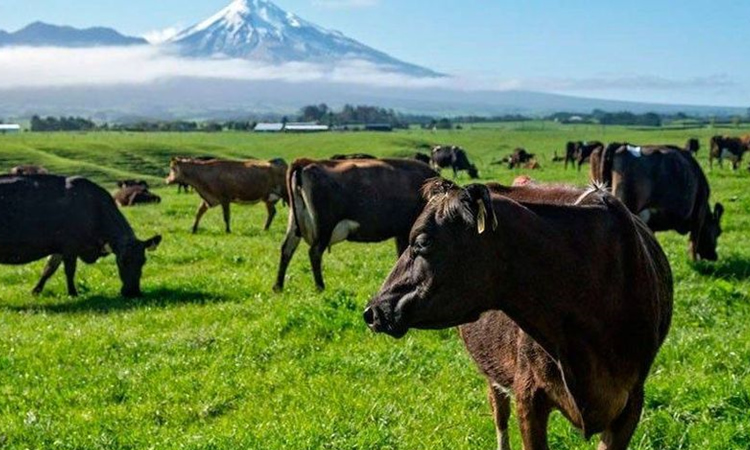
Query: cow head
[436, 282]
[709, 235]
[131, 256]
[175, 171]
[473, 172]
[693, 145]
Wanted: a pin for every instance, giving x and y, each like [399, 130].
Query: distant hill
[226, 99]
[39, 34]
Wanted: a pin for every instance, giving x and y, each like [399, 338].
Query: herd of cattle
[464, 255]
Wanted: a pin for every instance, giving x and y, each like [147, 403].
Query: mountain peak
[260, 30]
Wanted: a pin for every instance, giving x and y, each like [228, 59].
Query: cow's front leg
[271, 208]
[70, 274]
[225, 210]
[53, 263]
[198, 215]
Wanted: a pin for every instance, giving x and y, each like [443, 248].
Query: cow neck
[117, 230]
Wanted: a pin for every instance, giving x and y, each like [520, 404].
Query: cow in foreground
[497, 261]
[367, 200]
[731, 148]
[454, 157]
[667, 188]
[67, 219]
[221, 182]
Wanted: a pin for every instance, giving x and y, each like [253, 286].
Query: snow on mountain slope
[260, 30]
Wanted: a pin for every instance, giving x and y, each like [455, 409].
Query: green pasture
[211, 358]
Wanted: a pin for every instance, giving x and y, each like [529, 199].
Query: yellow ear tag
[481, 215]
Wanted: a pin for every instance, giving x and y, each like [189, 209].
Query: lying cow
[135, 194]
[221, 182]
[536, 333]
[131, 182]
[67, 218]
[29, 170]
[519, 157]
[357, 200]
[454, 157]
[731, 148]
[341, 157]
[580, 152]
[667, 188]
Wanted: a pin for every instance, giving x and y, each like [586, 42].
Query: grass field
[210, 358]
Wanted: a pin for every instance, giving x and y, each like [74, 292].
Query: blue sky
[693, 51]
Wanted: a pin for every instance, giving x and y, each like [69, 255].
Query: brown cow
[503, 256]
[28, 170]
[221, 182]
[366, 200]
[135, 194]
[731, 148]
[667, 188]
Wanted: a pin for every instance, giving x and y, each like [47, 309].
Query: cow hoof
[278, 289]
[320, 288]
[36, 292]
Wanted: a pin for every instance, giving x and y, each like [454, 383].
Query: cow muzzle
[381, 319]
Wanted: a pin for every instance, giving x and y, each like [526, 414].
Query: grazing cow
[421, 157]
[497, 261]
[667, 188]
[342, 157]
[221, 182]
[580, 152]
[29, 170]
[67, 218]
[454, 157]
[731, 148]
[135, 194]
[367, 200]
[520, 156]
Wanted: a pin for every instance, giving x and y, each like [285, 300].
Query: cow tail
[606, 165]
[294, 181]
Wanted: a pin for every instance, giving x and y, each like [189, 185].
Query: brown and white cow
[366, 200]
[134, 194]
[221, 182]
[497, 261]
[667, 188]
[731, 148]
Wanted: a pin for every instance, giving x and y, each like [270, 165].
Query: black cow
[454, 157]
[421, 157]
[67, 219]
[731, 148]
[580, 152]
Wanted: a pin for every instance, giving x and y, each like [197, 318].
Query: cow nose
[372, 318]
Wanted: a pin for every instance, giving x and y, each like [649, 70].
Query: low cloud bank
[25, 67]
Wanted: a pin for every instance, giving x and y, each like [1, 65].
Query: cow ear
[482, 202]
[718, 211]
[153, 243]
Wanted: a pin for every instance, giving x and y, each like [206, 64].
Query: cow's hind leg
[500, 402]
[53, 263]
[291, 242]
[619, 433]
[271, 208]
[316, 261]
[70, 274]
[201, 211]
[533, 414]
[227, 216]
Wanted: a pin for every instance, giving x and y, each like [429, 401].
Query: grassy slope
[210, 358]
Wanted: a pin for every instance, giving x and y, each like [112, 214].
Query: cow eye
[422, 244]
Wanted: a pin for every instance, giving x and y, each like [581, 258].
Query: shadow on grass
[100, 304]
[732, 267]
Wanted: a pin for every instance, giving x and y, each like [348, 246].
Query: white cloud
[160, 36]
[25, 67]
[342, 4]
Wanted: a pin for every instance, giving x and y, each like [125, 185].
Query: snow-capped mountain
[260, 30]
[40, 34]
